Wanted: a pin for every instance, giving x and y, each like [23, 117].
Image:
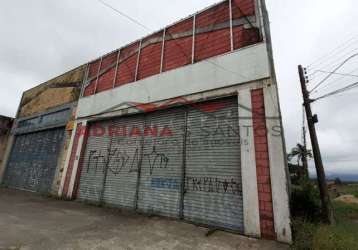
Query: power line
[336, 81]
[124, 15]
[335, 70]
[335, 50]
[334, 73]
[330, 64]
[338, 91]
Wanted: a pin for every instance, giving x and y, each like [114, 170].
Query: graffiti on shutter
[181, 162]
[33, 160]
[125, 152]
[213, 193]
[161, 168]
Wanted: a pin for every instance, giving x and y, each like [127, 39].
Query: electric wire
[338, 91]
[336, 81]
[335, 51]
[331, 64]
[334, 71]
[124, 15]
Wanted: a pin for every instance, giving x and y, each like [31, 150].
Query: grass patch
[355, 192]
[345, 211]
[345, 189]
[342, 235]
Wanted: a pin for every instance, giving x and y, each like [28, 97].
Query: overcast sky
[40, 39]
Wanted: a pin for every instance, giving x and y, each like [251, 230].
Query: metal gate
[33, 160]
[94, 163]
[162, 164]
[182, 162]
[120, 188]
[213, 192]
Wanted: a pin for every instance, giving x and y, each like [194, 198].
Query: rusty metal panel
[213, 192]
[162, 164]
[33, 160]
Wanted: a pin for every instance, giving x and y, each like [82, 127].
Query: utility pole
[305, 151]
[327, 211]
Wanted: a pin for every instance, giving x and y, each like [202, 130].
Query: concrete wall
[5, 129]
[241, 66]
[56, 92]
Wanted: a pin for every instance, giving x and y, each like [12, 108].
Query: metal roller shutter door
[142, 162]
[122, 172]
[162, 164]
[94, 162]
[213, 193]
[111, 159]
[33, 160]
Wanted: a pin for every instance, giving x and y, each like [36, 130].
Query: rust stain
[48, 95]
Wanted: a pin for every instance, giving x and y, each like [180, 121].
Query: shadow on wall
[5, 128]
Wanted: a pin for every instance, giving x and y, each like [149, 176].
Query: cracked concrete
[30, 221]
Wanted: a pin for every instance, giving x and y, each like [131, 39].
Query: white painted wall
[248, 165]
[244, 65]
[279, 185]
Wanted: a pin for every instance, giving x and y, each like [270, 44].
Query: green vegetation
[309, 233]
[342, 235]
[349, 189]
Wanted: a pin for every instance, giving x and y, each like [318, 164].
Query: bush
[303, 234]
[305, 202]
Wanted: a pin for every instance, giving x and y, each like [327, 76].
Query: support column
[248, 166]
[75, 174]
[278, 173]
[61, 190]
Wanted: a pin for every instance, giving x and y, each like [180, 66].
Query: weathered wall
[62, 157]
[56, 92]
[5, 128]
[43, 100]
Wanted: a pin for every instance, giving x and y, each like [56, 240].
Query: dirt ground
[349, 199]
[30, 221]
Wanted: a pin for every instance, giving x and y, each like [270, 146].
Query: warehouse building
[41, 134]
[185, 123]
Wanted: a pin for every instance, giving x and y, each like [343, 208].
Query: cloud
[303, 31]
[42, 39]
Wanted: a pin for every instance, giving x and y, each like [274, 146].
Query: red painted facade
[262, 165]
[212, 38]
[79, 132]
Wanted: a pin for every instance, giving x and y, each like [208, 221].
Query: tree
[301, 154]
